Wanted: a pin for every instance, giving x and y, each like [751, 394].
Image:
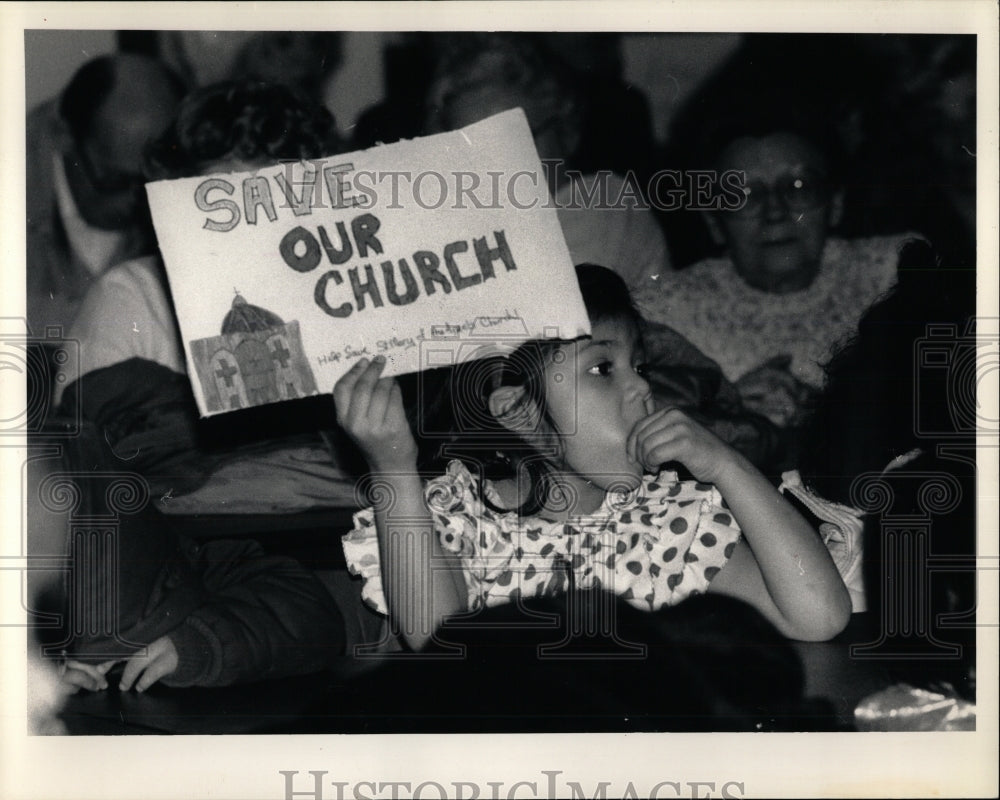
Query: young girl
[551, 490]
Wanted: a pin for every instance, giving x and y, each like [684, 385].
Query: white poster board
[428, 252]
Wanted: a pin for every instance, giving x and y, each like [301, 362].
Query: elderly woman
[771, 308]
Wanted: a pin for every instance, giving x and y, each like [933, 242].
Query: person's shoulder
[40, 149]
[142, 274]
[860, 250]
[42, 117]
[463, 493]
[587, 182]
[132, 289]
[890, 246]
[141, 268]
[621, 192]
[870, 261]
[713, 268]
[622, 187]
[691, 284]
[452, 491]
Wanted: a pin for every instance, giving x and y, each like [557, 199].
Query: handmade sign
[429, 252]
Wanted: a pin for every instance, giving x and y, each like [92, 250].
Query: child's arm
[370, 410]
[783, 568]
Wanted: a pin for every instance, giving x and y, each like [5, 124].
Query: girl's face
[595, 393]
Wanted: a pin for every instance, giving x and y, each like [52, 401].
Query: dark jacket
[235, 613]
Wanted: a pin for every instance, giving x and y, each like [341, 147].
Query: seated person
[185, 612]
[86, 207]
[132, 382]
[484, 75]
[209, 613]
[887, 415]
[555, 469]
[770, 309]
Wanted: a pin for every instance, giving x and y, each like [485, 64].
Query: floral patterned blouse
[653, 546]
[741, 327]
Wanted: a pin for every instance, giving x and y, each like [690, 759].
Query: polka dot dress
[653, 546]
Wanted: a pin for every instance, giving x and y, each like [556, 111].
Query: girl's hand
[158, 662]
[671, 435]
[370, 410]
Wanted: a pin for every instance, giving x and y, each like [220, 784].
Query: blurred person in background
[86, 205]
[480, 75]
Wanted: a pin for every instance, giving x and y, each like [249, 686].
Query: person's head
[111, 108]
[240, 125]
[485, 74]
[560, 408]
[776, 238]
[303, 59]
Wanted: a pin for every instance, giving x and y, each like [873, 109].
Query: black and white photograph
[477, 400]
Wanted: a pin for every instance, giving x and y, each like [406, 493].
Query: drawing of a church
[258, 359]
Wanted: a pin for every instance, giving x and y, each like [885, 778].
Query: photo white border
[774, 765]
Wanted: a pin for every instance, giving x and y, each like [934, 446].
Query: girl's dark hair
[244, 119]
[453, 419]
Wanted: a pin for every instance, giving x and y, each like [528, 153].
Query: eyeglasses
[106, 179]
[800, 192]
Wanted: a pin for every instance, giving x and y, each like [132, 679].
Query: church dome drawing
[257, 359]
[244, 318]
